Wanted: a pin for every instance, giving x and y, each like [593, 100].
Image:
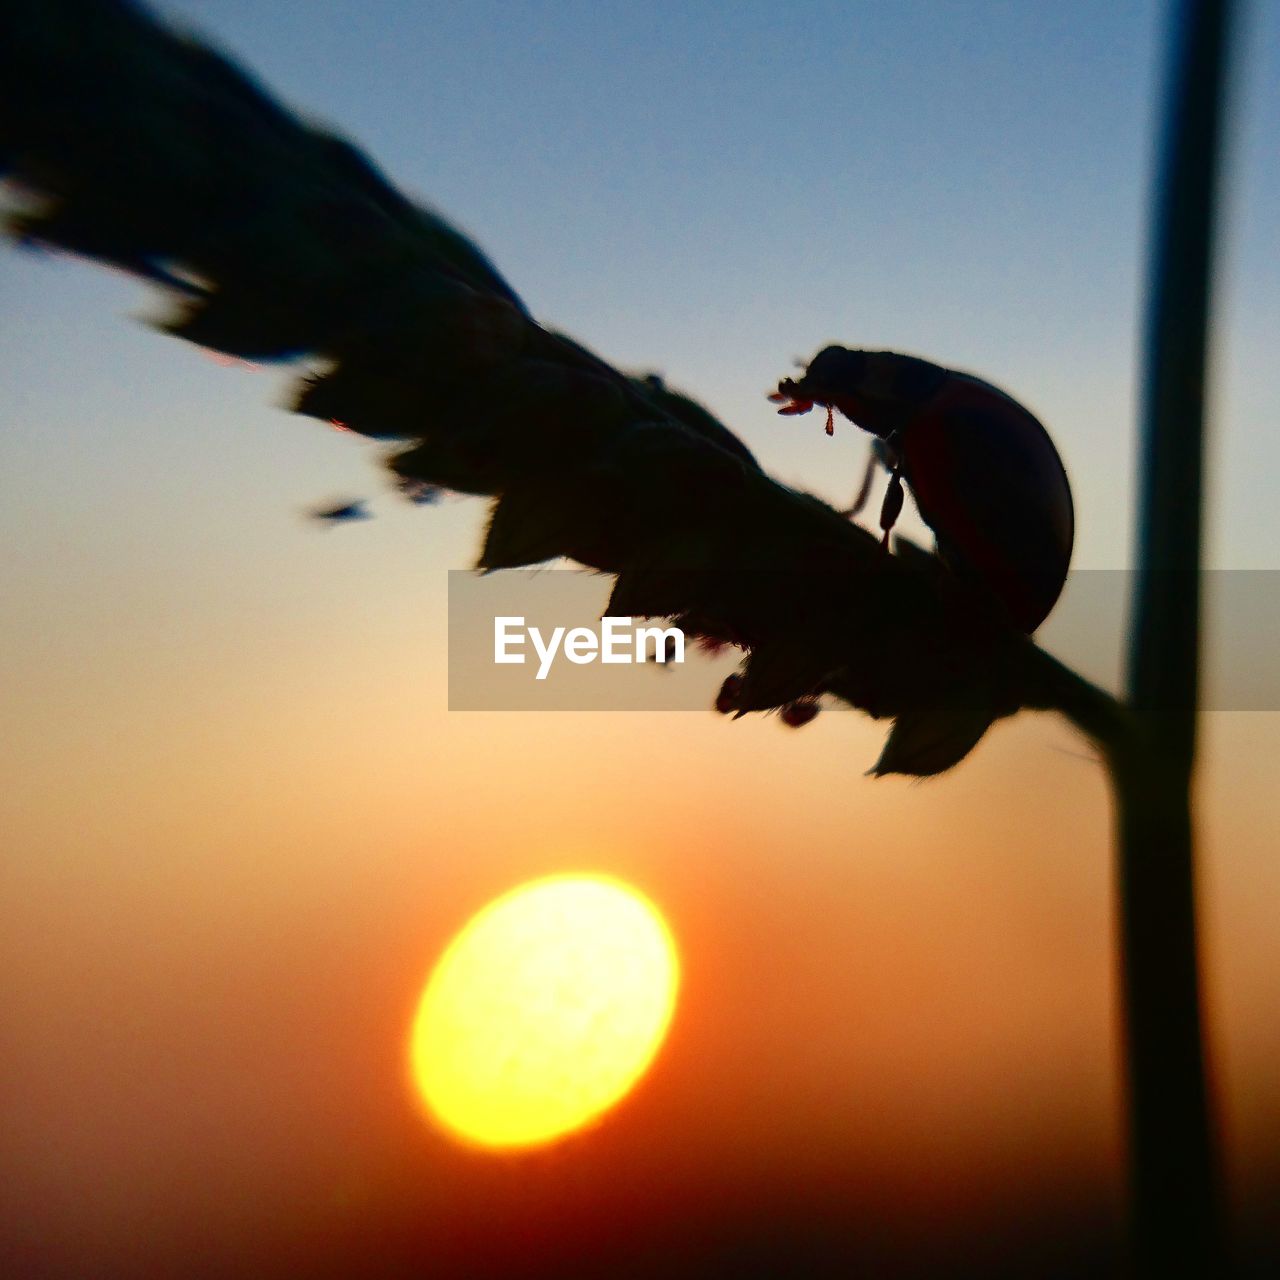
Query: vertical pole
[1175, 1219]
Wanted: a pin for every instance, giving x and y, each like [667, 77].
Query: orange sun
[544, 1010]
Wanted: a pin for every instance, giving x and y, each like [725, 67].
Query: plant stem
[1175, 1222]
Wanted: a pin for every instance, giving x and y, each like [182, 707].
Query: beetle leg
[892, 508]
[864, 490]
[886, 449]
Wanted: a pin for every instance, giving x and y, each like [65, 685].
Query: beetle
[984, 473]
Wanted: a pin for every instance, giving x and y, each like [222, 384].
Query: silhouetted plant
[277, 240]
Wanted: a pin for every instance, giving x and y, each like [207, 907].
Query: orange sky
[897, 998]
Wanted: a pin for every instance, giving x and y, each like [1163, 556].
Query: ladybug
[984, 473]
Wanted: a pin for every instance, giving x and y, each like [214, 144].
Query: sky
[241, 822]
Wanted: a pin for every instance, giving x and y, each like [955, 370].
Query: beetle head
[879, 390]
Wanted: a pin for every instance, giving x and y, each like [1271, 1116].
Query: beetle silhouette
[984, 473]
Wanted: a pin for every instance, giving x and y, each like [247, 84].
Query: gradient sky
[240, 822]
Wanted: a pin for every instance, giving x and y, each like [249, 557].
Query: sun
[544, 1011]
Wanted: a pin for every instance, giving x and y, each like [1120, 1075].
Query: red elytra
[984, 473]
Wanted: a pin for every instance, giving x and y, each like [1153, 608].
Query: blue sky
[712, 190]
